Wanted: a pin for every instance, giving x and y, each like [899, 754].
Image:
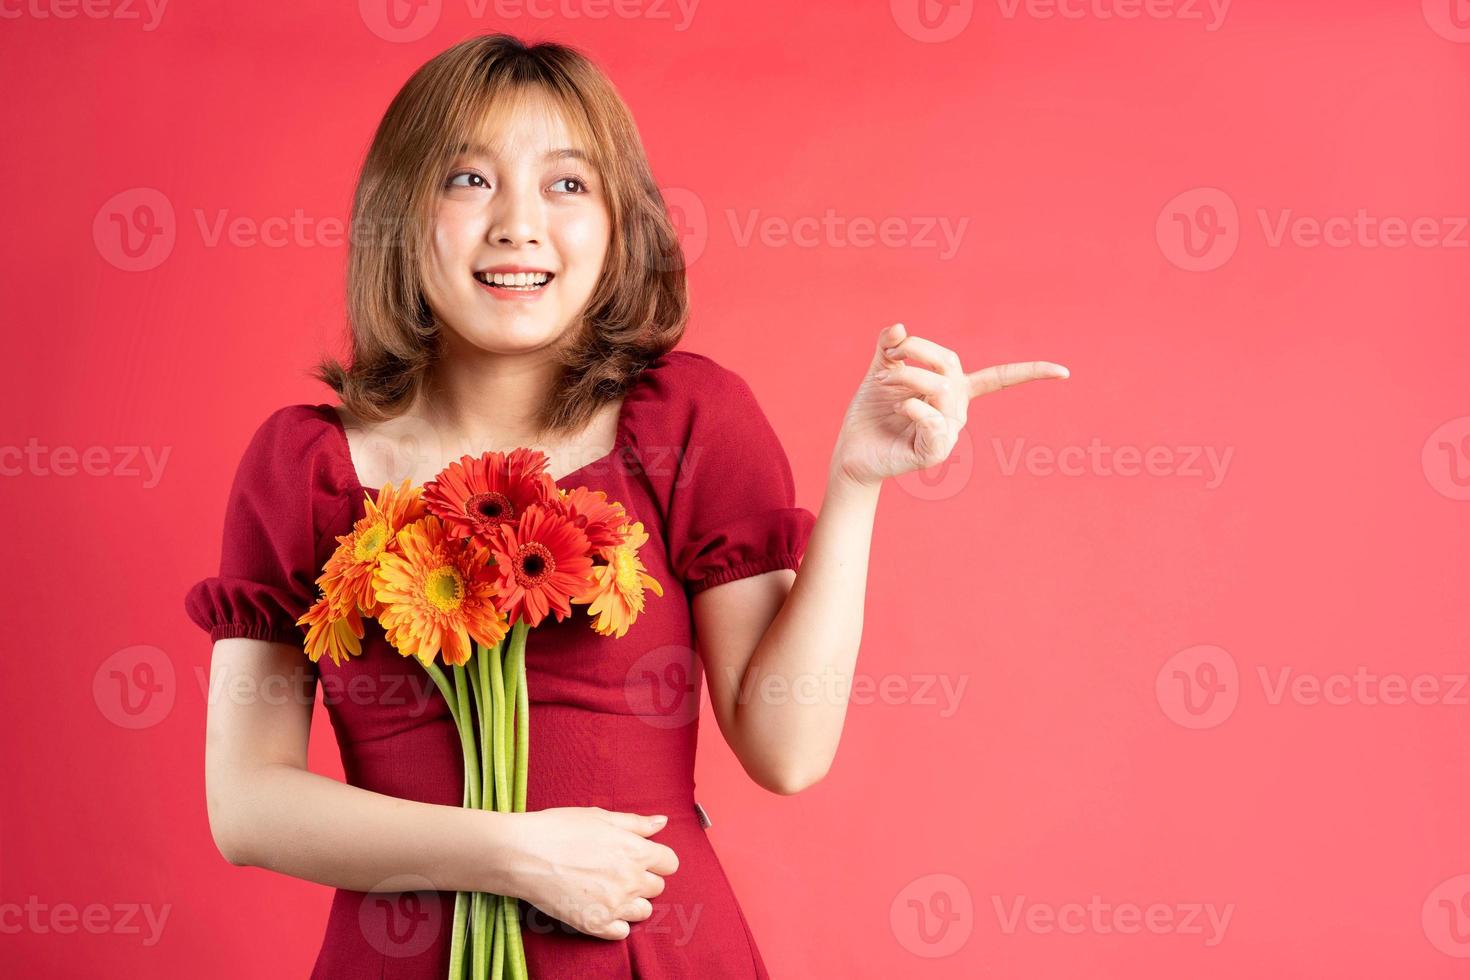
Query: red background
[1069, 604]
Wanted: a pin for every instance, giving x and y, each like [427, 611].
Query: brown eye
[466, 179]
[573, 180]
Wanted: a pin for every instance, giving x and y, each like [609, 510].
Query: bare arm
[592, 868]
[780, 648]
[268, 810]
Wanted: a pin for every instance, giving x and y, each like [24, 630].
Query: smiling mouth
[519, 282]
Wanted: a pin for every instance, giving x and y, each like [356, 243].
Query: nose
[516, 217]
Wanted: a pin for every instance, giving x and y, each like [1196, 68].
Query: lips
[514, 283]
[514, 279]
[509, 280]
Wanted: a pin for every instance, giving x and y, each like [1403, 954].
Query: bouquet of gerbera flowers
[461, 570]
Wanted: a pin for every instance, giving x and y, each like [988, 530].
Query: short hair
[639, 307]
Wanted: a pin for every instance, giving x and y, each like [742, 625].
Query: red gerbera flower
[598, 517]
[542, 561]
[474, 496]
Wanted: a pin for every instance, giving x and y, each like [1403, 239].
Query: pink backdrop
[1163, 674]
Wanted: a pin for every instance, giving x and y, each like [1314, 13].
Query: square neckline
[344, 446]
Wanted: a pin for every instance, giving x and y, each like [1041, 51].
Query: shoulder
[693, 368]
[685, 385]
[689, 412]
[296, 434]
[298, 449]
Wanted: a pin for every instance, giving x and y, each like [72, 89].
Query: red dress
[613, 722]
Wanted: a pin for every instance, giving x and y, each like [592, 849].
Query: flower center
[444, 587]
[489, 508]
[533, 564]
[371, 542]
[625, 571]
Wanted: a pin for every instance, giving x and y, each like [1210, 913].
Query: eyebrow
[481, 150]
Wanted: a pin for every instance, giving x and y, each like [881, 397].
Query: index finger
[986, 380]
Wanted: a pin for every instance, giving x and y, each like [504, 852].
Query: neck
[478, 398]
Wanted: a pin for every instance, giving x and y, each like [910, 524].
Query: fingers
[644, 826]
[635, 909]
[922, 412]
[937, 375]
[887, 337]
[932, 437]
[660, 858]
[944, 393]
[663, 860]
[895, 344]
[653, 885]
[927, 353]
[922, 380]
[616, 929]
[986, 380]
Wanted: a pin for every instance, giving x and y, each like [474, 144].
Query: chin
[516, 336]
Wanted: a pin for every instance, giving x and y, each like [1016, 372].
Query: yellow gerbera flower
[335, 632]
[616, 588]
[437, 593]
[347, 577]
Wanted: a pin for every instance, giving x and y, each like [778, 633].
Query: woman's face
[518, 203]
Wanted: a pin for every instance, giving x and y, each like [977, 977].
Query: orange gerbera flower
[542, 561]
[598, 517]
[335, 632]
[616, 592]
[474, 496]
[437, 594]
[347, 578]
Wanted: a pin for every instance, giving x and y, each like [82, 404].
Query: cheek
[584, 241]
[454, 238]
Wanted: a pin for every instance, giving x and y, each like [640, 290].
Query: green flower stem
[518, 734]
[481, 956]
[497, 962]
[442, 683]
[466, 736]
[468, 681]
[492, 679]
[452, 696]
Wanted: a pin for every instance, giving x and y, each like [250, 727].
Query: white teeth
[513, 279]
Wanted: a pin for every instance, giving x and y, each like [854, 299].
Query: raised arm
[780, 649]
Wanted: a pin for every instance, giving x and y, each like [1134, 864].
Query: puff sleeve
[268, 559]
[733, 508]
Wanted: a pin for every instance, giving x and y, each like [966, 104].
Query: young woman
[514, 280]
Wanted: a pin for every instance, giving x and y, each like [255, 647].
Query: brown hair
[639, 307]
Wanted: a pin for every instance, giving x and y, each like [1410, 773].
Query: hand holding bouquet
[461, 570]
